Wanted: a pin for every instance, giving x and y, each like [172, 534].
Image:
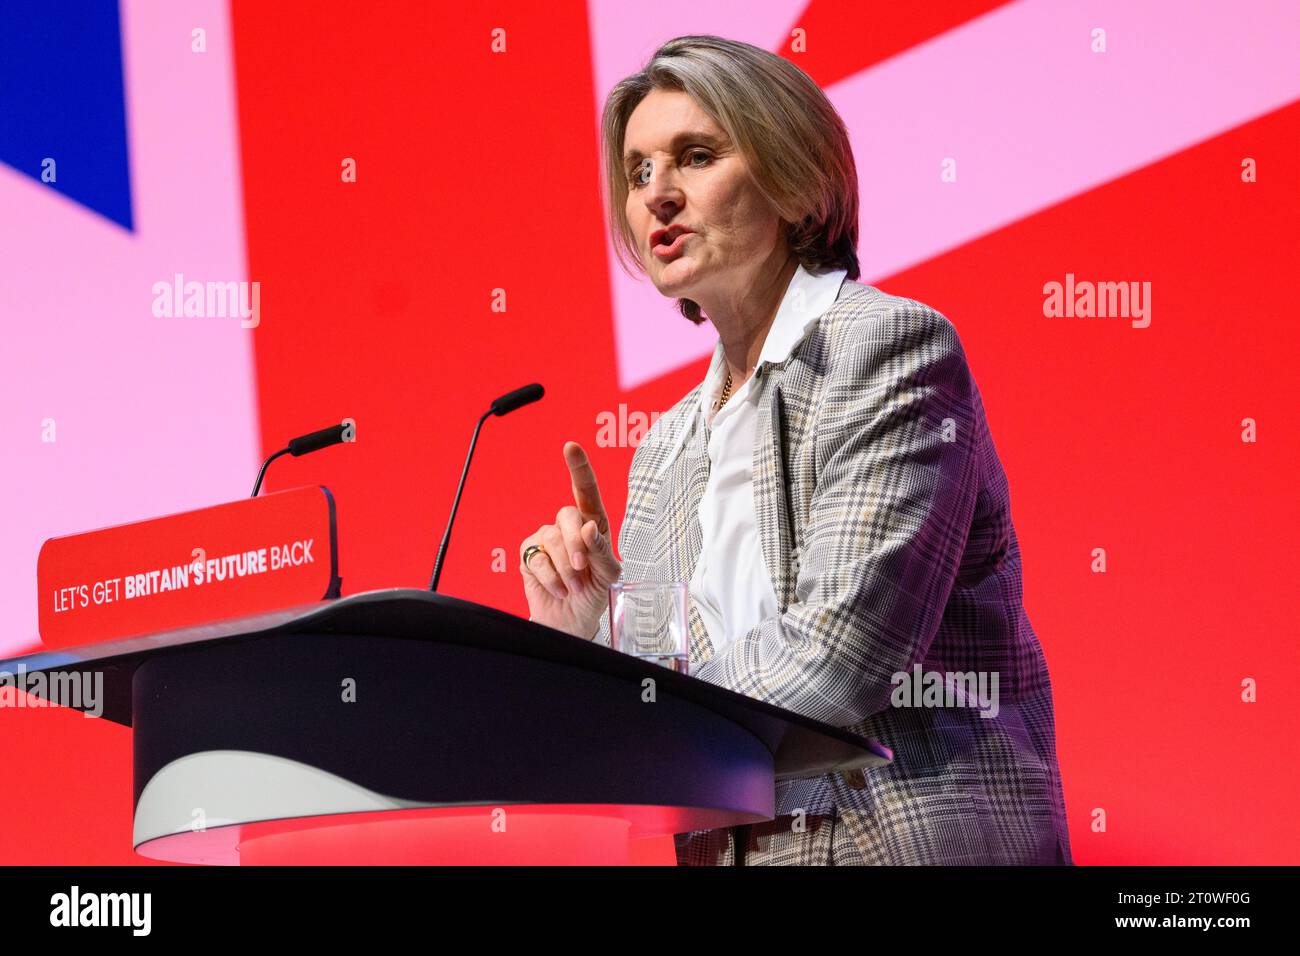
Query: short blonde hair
[790, 136]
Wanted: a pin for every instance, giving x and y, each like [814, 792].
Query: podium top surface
[802, 747]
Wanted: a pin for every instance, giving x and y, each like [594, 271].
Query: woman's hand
[567, 583]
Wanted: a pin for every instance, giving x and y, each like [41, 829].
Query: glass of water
[648, 620]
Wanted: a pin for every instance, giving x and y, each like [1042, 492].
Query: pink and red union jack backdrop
[1001, 147]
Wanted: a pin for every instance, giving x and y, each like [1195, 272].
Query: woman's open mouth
[669, 250]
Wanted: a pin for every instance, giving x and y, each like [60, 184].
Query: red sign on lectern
[245, 557]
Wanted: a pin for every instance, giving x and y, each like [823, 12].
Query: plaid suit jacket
[885, 523]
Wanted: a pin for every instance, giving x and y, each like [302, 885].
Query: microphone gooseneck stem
[446, 537]
[257, 485]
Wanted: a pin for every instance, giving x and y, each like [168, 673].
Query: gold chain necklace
[726, 390]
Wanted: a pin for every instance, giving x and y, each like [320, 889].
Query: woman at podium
[830, 491]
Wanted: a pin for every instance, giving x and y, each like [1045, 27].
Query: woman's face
[697, 179]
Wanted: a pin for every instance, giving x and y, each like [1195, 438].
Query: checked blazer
[885, 523]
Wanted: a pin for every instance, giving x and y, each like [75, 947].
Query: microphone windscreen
[316, 440]
[517, 399]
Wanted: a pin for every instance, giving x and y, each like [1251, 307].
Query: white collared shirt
[731, 584]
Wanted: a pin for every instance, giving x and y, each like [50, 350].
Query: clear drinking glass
[648, 620]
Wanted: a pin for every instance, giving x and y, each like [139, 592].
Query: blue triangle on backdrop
[61, 99]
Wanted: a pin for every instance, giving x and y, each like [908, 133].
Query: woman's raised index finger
[586, 493]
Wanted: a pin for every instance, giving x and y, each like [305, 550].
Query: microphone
[504, 405]
[302, 445]
[517, 399]
[316, 440]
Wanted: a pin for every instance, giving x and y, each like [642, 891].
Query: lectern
[404, 726]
